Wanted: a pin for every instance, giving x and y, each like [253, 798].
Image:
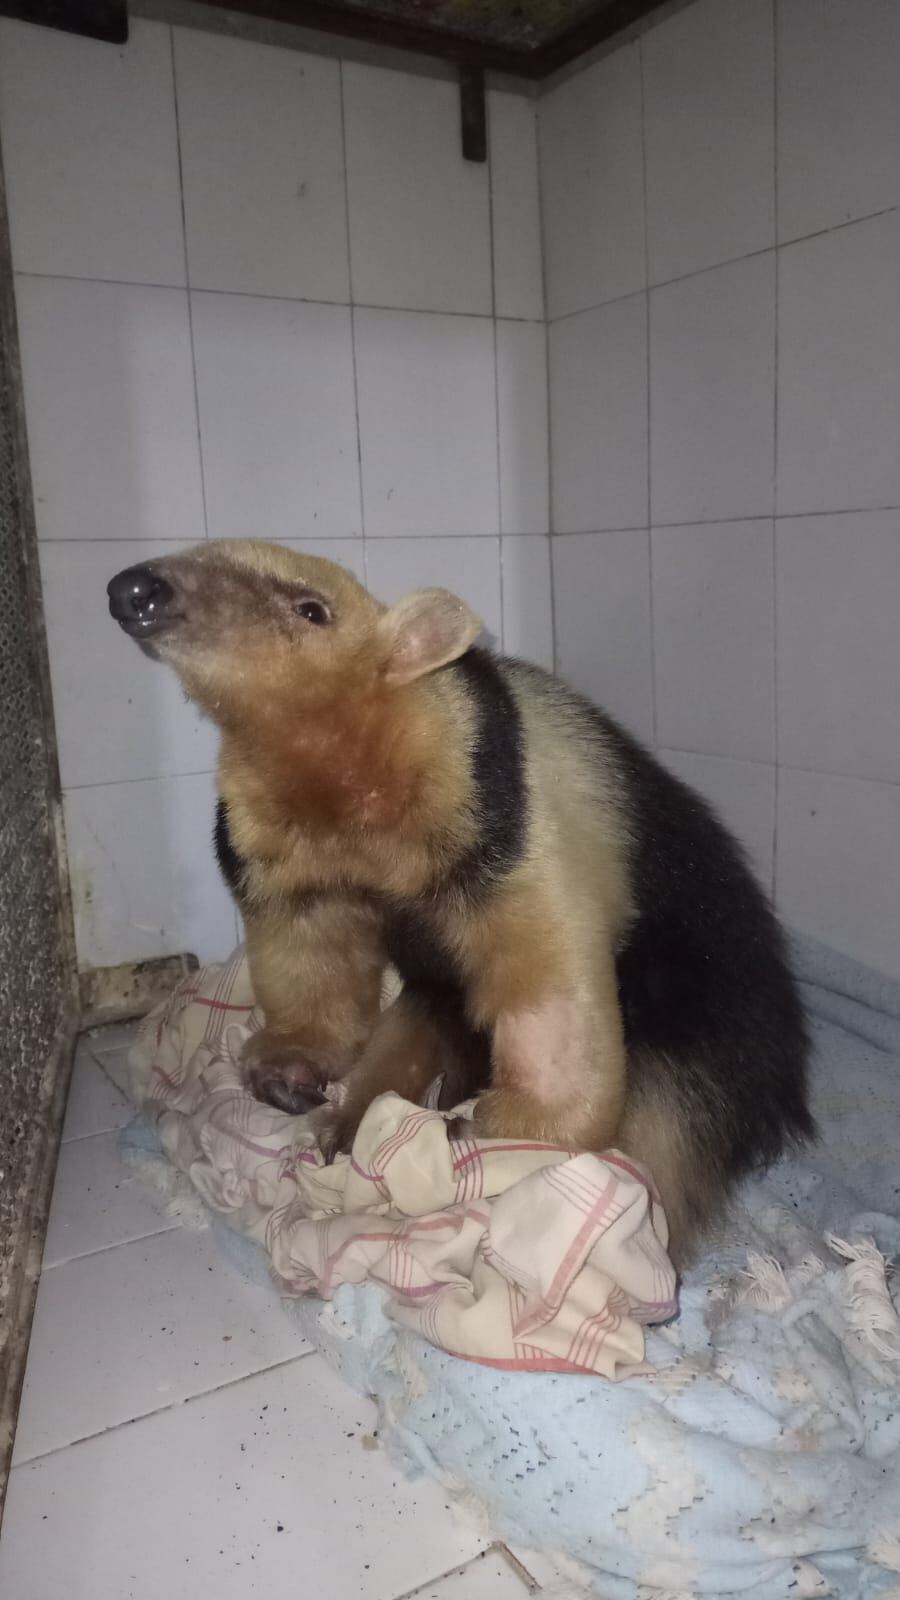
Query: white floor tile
[130, 1330]
[99, 1201]
[266, 1487]
[95, 1105]
[489, 1577]
[114, 1038]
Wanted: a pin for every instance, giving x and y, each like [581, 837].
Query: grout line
[172, 1405]
[286, 299]
[97, 1133]
[117, 783]
[104, 1249]
[495, 338]
[554, 645]
[187, 277]
[650, 597]
[359, 462]
[730, 261]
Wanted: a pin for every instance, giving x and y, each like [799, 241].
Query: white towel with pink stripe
[518, 1255]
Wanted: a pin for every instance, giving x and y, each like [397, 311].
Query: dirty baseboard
[118, 994]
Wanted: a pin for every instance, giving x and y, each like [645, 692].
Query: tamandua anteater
[578, 936]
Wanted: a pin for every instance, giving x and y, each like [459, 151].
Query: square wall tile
[420, 226]
[206, 1520]
[838, 112]
[713, 638]
[90, 150]
[592, 185]
[143, 1326]
[598, 418]
[839, 369]
[743, 795]
[118, 714]
[112, 419]
[712, 404]
[515, 205]
[524, 439]
[349, 553]
[144, 878]
[710, 129]
[839, 644]
[467, 567]
[263, 168]
[838, 869]
[427, 423]
[601, 596]
[277, 417]
[527, 600]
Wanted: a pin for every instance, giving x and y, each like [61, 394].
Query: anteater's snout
[140, 599]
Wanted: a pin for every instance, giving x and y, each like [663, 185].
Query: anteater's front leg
[558, 1049]
[317, 969]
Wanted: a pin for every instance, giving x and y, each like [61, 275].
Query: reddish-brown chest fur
[371, 789]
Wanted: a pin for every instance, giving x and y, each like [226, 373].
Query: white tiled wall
[260, 293]
[721, 209]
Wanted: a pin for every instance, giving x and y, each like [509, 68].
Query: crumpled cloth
[517, 1254]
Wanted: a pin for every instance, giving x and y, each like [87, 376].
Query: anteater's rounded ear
[425, 631]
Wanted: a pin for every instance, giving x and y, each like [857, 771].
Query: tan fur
[345, 766]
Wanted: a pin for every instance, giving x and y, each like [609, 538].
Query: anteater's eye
[312, 611]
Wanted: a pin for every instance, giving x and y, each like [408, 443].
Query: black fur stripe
[498, 771]
[231, 865]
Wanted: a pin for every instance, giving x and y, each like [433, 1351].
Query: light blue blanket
[763, 1454]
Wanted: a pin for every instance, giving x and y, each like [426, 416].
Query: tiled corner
[112, 423]
[598, 418]
[593, 185]
[90, 153]
[839, 369]
[838, 866]
[263, 168]
[277, 417]
[838, 112]
[236, 1492]
[427, 423]
[467, 567]
[140, 1327]
[839, 643]
[743, 795]
[527, 600]
[522, 417]
[515, 205]
[118, 714]
[709, 130]
[95, 1104]
[419, 213]
[714, 638]
[712, 405]
[144, 878]
[601, 593]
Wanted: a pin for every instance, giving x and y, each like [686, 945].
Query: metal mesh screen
[35, 984]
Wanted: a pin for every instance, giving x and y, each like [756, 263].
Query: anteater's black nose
[139, 599]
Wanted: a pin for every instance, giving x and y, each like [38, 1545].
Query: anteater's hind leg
[675, 1139]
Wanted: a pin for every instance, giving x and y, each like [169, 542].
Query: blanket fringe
[870, 1309]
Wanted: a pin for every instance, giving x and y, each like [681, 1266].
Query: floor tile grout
[120, 1244]
[158, 1411]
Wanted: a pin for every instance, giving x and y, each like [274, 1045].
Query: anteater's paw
[335, 1128]
[280, 1072]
